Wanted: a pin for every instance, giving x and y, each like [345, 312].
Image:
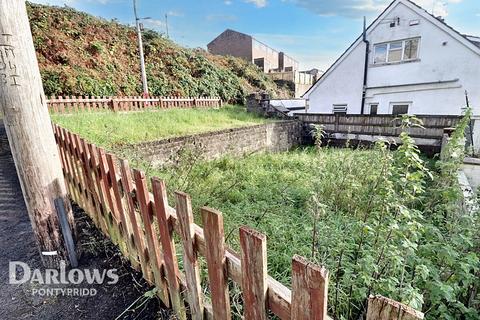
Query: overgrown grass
[111, 130]
[382, 222]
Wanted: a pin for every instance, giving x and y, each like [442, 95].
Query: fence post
[168, 245]
[192, 270]
[254, 273]
[154, 254]
[113, 104]
[125, 226]
[381, 308]
[309, 290]
[215, 254]
[136, 228]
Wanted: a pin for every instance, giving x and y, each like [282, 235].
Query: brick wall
[274, 137]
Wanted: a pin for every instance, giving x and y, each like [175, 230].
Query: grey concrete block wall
[274, 137]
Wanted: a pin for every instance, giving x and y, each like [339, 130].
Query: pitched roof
[472, 39]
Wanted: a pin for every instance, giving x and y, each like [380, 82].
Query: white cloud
[258, 3]
[227, 2]
[358, 8]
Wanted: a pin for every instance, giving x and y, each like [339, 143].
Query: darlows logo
[20, 272]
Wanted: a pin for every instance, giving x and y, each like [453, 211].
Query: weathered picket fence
[143, 224]
[75, 104]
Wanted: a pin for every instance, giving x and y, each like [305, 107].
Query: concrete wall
[471, 168]
[237, 44]
[270, 56]
[300, 89]
[274, 137]
[432, 84]
[287, 62]
[232, 43]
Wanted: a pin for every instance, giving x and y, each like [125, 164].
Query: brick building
[237, 44]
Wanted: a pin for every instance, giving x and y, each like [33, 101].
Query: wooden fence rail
[76, 104]
[143, 224]
[383, 125]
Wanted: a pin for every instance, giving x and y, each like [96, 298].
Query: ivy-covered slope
[83, 55]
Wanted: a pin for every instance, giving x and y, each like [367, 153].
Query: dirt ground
[17, 243]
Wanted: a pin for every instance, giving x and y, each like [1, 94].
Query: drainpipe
[365, 71]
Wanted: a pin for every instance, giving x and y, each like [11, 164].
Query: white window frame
[396, 103]
[403, 51]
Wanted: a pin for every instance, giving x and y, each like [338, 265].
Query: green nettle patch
[382, 222]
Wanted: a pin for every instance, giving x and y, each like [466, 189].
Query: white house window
[380, 53]
[411, 49]
[396, 51]
[340, 109]
[374, 108]
[400, 108]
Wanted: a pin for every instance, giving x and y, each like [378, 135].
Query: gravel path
[17, 243]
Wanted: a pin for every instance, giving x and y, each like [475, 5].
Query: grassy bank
[104, 62]
[111, 130]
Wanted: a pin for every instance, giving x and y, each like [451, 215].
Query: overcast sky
[315, 32]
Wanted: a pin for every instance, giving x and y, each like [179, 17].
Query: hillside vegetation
[80, 54]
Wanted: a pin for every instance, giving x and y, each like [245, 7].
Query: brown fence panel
[88, 104]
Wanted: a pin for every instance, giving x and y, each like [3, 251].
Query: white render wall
[342, 86]
[442, 58]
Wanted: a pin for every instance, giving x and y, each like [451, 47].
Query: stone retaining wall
[274, 137]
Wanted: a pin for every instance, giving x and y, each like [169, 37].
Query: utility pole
[140, 50]
[30, 134]
[166, 24]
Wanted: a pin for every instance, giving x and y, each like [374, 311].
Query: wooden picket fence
[76, 104]
[143, 224]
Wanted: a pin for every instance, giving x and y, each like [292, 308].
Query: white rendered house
[407, 61]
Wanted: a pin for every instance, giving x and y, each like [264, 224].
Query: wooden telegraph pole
[30, 133]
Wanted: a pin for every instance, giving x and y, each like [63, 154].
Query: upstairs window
[396, 51]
